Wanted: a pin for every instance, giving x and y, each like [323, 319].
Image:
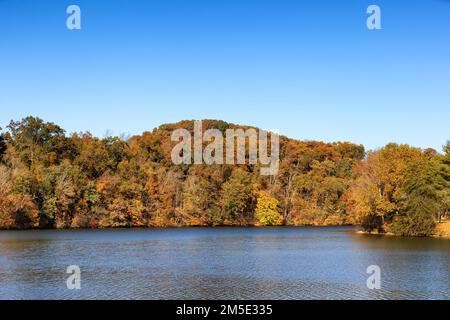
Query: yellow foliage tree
[266, 210]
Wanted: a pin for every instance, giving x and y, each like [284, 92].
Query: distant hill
[49, 179]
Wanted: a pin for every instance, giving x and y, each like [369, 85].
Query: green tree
[237, 197]
[199, 201]
[447, 151]
[420, 203]
[92, 155]
[38, 141]
[59, 188]
[2, 145]
[444, 174]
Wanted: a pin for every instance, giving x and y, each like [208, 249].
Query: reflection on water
[223, 263]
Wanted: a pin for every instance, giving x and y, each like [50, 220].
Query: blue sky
[309, 68]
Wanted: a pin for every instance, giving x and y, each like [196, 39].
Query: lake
[221, 263]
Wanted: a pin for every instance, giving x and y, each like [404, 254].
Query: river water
[221, 263]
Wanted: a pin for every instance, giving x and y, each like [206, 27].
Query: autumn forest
[50, 179]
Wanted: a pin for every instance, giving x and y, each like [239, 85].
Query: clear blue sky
[309, 68]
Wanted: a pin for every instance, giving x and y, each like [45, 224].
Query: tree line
[49, 179]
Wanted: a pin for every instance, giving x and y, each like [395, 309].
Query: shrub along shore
[50, 179]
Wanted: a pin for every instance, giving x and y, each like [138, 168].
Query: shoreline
[442, 229]
[186, 227]
[442, 232]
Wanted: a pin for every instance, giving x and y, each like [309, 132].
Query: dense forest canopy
[49, 179]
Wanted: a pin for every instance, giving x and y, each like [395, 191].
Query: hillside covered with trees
[49, 179]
